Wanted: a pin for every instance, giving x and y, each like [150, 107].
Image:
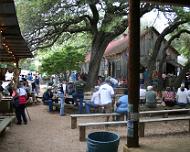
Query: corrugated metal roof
[13, 46]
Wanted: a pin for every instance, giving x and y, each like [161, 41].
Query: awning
[12, 45]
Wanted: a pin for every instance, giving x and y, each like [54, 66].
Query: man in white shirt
[95, 100]
[182, 96]
[106, 93]
[142, 94]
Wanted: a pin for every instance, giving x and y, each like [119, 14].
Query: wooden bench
[5, 121]
[119, 90]
[165, 112]
[142, 122]
[75, 116]
[82, 127]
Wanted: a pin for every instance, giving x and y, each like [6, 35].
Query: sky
[160, 23]
[153, 19]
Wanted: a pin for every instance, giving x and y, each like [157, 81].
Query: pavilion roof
[12, 45]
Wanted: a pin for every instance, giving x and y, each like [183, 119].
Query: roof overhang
[169, 2]
[13, 46]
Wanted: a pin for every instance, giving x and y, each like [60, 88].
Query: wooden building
[114, 62]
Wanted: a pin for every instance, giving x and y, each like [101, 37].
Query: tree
[103, 20]
[181, 17]
[60, 61]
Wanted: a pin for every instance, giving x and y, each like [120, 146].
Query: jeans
[88, 105]
[61, 96]
[121, 111]
[78, 97]
[50, 102]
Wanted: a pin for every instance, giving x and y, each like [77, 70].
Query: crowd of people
[26, 89]
[170, 97]
[102, 97]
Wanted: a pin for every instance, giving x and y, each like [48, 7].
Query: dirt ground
[49, 132]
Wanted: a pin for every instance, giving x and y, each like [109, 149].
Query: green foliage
[28, 64]
[182, 43]
[62, 60]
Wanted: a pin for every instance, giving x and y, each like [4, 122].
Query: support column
[133, 73]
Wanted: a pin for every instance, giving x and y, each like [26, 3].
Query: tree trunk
[181, 76]
[158, 43]
[99, 45]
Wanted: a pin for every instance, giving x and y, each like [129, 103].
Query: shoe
[18, 123]
[25, 123]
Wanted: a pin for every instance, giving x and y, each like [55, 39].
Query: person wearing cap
[95, 100]
[47, 98]
[150, 97]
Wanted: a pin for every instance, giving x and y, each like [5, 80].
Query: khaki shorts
[108, 108]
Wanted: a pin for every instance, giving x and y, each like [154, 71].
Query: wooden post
[141, 129]
[133, 73]
[73, 122]
[82, 133]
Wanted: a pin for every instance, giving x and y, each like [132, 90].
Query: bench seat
[5, 121]
[82, 126]
[143, 121]
[75, 116]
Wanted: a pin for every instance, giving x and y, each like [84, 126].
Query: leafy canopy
[62, 60]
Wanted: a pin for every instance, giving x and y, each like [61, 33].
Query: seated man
[122, 104]
[95, 100]
[142, 94]
[182, 96]
[47, 98]
[150, 97]
[106, 93]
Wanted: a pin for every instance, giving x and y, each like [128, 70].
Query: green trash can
[103, 142]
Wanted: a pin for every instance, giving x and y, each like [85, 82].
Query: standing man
[106, 93]
[37, 84]
[1, 89]
[78, 95]
[62, 94]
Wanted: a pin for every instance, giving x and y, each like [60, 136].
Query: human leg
[18, 115]
[23, 114]
[88, 105]
[61, 104]
[50, 103]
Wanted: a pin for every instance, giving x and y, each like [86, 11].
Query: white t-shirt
[106, 92]
[182, 96]
[96, 98]
[64, 87]
[21, 91]
[142, 93]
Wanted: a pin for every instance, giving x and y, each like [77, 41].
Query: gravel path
[51, 133]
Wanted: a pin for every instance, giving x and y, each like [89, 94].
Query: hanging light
[1, 46]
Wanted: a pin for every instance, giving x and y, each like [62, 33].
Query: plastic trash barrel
[102, 142]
